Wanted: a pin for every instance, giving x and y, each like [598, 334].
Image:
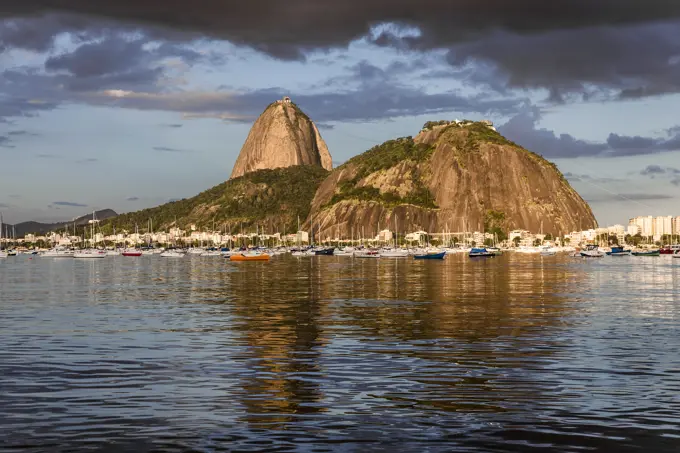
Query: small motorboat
[476, 252]
[132, 253]
[325, 252]
[666, 250]
[430, 256]
[546, 250]
[676, 254]
[646, 253]
[618, 251]
[592, 251]
[249, 257]
[12, 253]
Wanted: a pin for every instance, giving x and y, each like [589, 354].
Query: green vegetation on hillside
[389, 154]
[264, 197]
[383, 157]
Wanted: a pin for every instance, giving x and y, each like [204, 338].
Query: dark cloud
[624, 48]
[589, 178]
[47, 156]
[4, 205]
[69, 203]
[132, 199]
[523, 130]
[5, 142]
[88, 160]
[20, 133]
[166, 149]
[286, 28]
[653, 170]
[621, 62]
[172, 126]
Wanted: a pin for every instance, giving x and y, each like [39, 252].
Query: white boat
[367, 253]
[3, 254]
[546, 250]
[12, 253]
[347, 251]
[113, 253]
[58, 253]
[172, 254]
[211, 253]
[195, 251]
[393, 253]
[592, 251]
[676, 254]
[90, 253]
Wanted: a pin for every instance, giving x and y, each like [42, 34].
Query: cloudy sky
[127, 104]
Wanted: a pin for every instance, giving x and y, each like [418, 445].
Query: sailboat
[3, 254]
[91, 252]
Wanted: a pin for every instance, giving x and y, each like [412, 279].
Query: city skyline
[127, 108]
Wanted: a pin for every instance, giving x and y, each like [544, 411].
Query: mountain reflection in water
[333, 353]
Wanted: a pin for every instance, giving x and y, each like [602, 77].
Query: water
[515, 353]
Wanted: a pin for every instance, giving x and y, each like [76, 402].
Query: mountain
[269, 198]
[453, 176]
[283, 136]
[23, 228]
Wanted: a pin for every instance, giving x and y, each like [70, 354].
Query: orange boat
[263, 257]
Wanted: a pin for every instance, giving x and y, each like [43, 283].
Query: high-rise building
[676, 225]
[645, 223]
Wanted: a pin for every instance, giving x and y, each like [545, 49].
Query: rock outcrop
[283, 136]
[451, 177]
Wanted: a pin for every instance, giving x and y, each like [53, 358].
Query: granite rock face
[283, 136]
[448, 178]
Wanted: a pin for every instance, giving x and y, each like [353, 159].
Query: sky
[129, 104]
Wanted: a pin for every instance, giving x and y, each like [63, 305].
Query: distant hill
[24, 228]
[268, 198]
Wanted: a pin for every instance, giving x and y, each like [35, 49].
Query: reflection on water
[331, 353]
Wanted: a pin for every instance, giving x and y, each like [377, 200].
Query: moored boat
[592, 251]
[172, 254]
[477, 252]
[618, 251]
[367, 253]
[326, 252]
[90, 253]
[430, 256]
[132, 252]
[646, 253]
[249, 257]
[393, 253]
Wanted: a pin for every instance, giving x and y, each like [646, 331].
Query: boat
[347, 251]
[430, 256]
[249, 257]
[132, 252]
[90, 253]
[592, 251]
[12, 252]
[211, 253]
[646, 253]
[393, 253]
[58, 252]
[495, 250]
[326, 252]
[618, 251]
[476, 252]
[3, 254]
[666, 250]
[172, 254]
[367, 254]
[676, 254]
[546, 250]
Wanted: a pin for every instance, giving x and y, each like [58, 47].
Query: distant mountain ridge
[31, 227]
